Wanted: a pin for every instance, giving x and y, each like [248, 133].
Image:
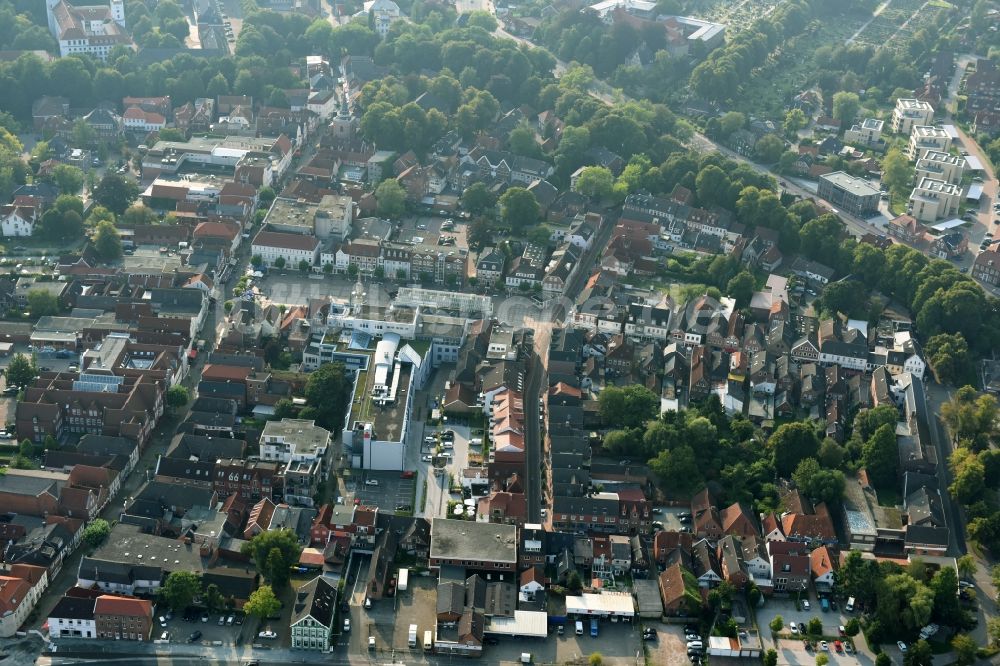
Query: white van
[475, 442]
[850, 605]
[579, 627]
[428, 641]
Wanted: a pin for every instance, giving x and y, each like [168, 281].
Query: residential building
[139, 120]
[290, 250]
[854, 195]
[933, 200]
[907, 229]
[925, 139]
[489, 266]
[18, 220]
[475, 546]
[91, 30]
[73, 617]
[987, 267]
[294, 439]
[866, 133]
[791, 568]
[910, 112]
[313, 611]
[123, 618]
[20, 588]
[941, 166]
[949, 246]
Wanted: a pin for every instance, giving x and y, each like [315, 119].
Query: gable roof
[108, 604]
[316, 599]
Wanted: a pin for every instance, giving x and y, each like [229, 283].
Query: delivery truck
[412, 639]
[402, 580]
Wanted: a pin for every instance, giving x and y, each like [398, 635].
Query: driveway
[791, 649]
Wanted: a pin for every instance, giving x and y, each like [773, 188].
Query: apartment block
[866, 133]
[910, 112]
[925, 139]
[934, 199]
[941, 166]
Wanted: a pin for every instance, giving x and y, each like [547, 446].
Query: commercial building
[910, 112]
[854, 195]
[474, 546]
[123, 618]
[294, 440]
[257, 161]
[330, 218]
[288, 250]
[933, 200]
[606, 605]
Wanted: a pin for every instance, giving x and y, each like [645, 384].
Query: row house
[250, 480]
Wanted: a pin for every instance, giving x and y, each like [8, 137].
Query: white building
[138, 120]
[910, 112]
[925, 139]
[72, 617]
[292, 248]
[941, 166]
[18, 220]
[608, 604]
[93, 30]
[933, 199]
[294, 440]
[384, 14]
[18, 596]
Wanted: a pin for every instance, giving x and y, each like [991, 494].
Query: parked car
[347, 624]
[649, 634]
[371, 482]
[805, 605]
[165, 636]
[268, 634]
[194, 636]
[824, 646]
[902, 646]
[795, 629]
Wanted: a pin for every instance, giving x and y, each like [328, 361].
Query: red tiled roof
[112, 605]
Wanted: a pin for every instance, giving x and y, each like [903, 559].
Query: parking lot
[180, 629]
[791, 649]
[294, 288]
[392, 493]
[669, 648]
[618, 643]
[670, 516]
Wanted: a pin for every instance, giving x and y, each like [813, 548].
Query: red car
[408, 474]
[838, 646]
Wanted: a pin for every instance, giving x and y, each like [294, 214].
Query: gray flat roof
[855, 186]
[466, 540]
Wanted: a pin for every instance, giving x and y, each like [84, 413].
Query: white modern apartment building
[910, 112]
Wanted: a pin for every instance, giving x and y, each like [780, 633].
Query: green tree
[115, 193]
[732, 121]
[96, 532]
[967, 566]
[521, 141]
[882, 659]
[139, 214]
[42, 303]
[391, 198]
[741, 288]
[943, 585]
[180, 589]
[628, 406]
[897, 172]
[853, 627]
[519, 209]
[965, 648]
[274, 553]
[771, 658]
[482, 19]
[262, 602]
[327, 392]
[213, 598]
[831, 454]
[790, 444]
[595, 182]
[595, 659]
[352, 271]
[477, 198]
[83, 134]
[822, 659]
[845, 107]
[677, 468]
[21, 370]
[795, 120]
[880, 457]
[573, 582]
[69, 179]
[968, 476]
[480, 233]
[818, 484]
[769, 148]
[904, 602]
[868, 421]
[107, 242]
[777, 624]
[971, 418]
[993, 630]
[279, 263]
[919, 654]
[177, 396]
[304, 266]
[949, 357]
[815, 627]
